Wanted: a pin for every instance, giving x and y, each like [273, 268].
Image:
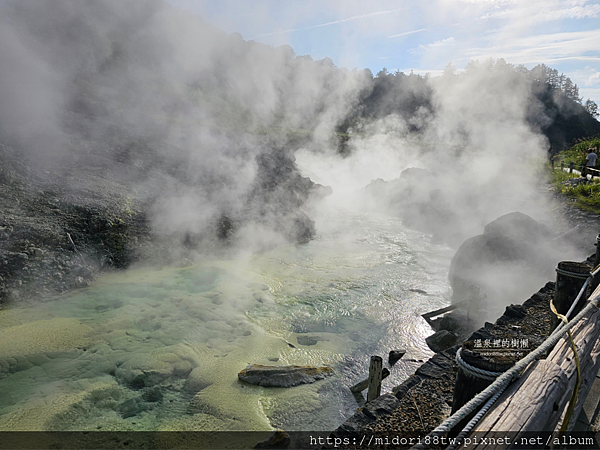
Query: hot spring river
[160, 348]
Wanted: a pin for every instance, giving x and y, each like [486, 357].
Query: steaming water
[117, 355]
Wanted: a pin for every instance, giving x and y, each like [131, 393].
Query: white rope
[475, 372]
[504, 380]
[581, 292]
[500, 381]
[567, 273]
[467, 429]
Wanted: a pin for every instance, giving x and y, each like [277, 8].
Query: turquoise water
[159, 348]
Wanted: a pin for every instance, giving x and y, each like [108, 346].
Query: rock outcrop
[283, 376]
[509, 260]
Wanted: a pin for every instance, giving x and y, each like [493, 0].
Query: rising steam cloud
[189, 118]
[181, 107]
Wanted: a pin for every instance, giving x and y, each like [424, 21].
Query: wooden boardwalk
[589, 419]
[538, 401]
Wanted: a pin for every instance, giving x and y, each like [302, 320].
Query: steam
[482, 159]
[177, 109]
[189, 117]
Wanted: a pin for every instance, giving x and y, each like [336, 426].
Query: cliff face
[61, 226]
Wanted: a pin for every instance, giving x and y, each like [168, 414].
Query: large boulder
[508, 261]
[283, 376]
[415, 197]
[517, 225]
[441, 340]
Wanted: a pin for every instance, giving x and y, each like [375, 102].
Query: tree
[540, 73]
[591, 107]
[553, 79]
[449, 70]
[382, 73]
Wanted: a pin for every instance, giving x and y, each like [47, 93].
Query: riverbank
[425, 399]
[63, 225]
[422, 402]
[60, 231]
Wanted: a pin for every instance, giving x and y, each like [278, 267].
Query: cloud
[543, 48]
[434, 45]
[334, 22]
[540, 12]
[407, 33]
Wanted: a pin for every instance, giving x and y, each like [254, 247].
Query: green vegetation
[585, 196]
[576, 153]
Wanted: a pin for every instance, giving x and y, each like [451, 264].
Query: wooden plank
[596, 279]
[537, 401]
[590, 365]
[364, 384]
[437, 312]
[527, 404]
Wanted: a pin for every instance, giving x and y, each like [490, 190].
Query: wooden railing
[537, 401]
[583, 169]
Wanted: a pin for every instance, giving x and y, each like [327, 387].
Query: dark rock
[481, 334]
[509, 249]
[381, 406]
[400, 391]
[456, 322]
[283, 376]
[437, 367]
[225, 227]
[375, 409]
[308, 340]
[515, 311]
[278, 439]
[353, 426]
[418, 291]
[519, 226]
[416, 200]
[395, 355]
[441, 340]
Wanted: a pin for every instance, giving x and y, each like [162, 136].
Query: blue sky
[423, 36]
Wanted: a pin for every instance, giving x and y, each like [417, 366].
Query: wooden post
[468, 386]
[596, 279]
[571, 167]
[562, 165]
[474, 300]
[375, 376]
[552, 162]
[568, 286]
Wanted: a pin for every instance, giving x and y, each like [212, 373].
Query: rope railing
[475, 372]
[501, 382]
[581, 168]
